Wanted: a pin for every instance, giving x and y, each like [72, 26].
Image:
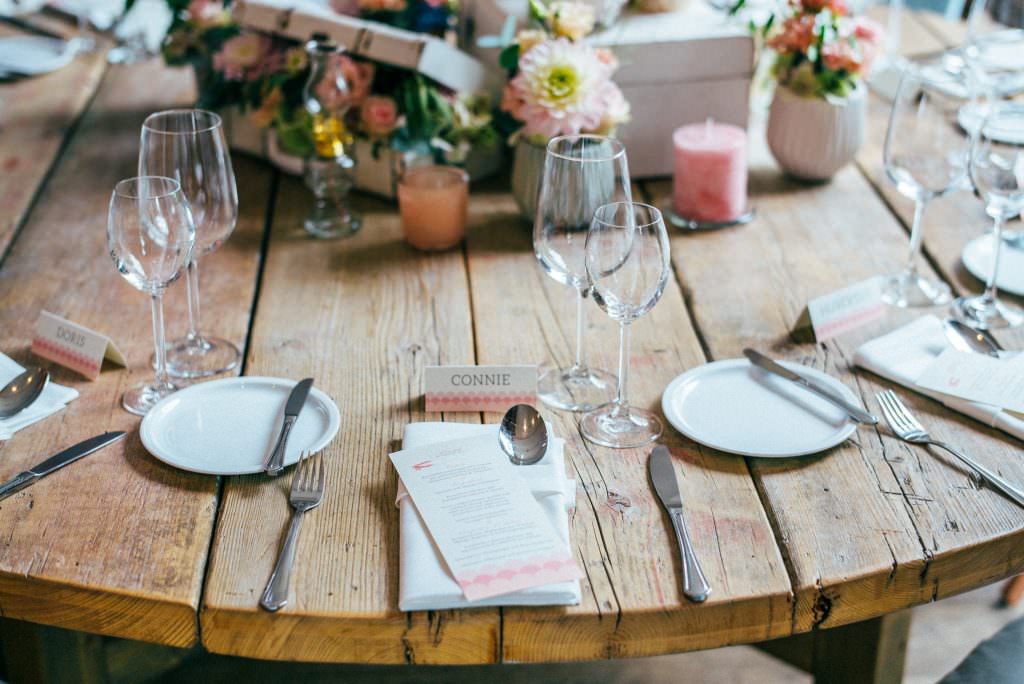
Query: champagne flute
[150, 235]
[581, 172]
[997, 171]
[926, 157]
[627, 259]
[189, 146]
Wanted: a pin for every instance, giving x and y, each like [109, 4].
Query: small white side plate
[228, 426]
[33, 55]
[978, 255]
[734, 407]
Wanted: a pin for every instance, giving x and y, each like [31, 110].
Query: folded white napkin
[424, 580]
[53, 399]
[904, 354]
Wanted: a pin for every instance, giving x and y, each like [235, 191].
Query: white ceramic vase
[812, 137]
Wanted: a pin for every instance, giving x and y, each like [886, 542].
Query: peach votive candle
[710, 181]
[432, 202]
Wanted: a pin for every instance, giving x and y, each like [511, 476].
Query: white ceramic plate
[977, 257]
[733, 406]
[971, 116]
[229, 426]
[33, 55]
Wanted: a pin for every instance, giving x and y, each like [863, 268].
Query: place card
[977, 377]
[493, 535]
[479, 388]
[838, 312]
[73, 346]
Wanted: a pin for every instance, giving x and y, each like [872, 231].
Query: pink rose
[379, 116]
[241, 55]
[356, 77]
[840, 56]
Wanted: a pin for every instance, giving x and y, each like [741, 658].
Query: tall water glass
[150, 235]
[997, 172]
[627, 259]
[189, 146]
[925, 156]
[581, 173]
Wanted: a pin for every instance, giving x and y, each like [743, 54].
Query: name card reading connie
[479, 388]
[73, 346]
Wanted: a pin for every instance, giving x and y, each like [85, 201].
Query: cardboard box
[675, 68]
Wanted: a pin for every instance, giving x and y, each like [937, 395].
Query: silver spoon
[20, 392]
[523, 435]
[967, 339]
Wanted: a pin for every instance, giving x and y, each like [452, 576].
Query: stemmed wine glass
[627, 259]
[189, 146]
[150, 235]
[997, 171]
[581, 172]
[926, 157]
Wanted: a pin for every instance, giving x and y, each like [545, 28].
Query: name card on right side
[479, 388]
[838, 312]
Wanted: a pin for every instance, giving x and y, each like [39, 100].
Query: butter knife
[69, 455]
[854, 411]
[663, 476]
[292, 408]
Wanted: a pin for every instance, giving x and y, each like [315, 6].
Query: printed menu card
[490, 530]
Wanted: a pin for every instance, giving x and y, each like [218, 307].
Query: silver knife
[69, 455]
[663, 476]
[854, 411]
[296, 400]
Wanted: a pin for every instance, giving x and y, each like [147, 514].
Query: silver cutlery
[292, 408]
[523, 436]
[907, 428]
[967, 339]
[22, 391]
[306, 494]
[663, 477]
[69, 455]
[854, 411]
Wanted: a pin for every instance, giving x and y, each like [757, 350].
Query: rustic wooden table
[123, 545]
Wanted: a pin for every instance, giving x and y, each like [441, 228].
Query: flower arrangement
[264, 76]
[559, 85]
[819, 49]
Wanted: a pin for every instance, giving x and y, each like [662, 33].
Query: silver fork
[306, 494]
[907, 428]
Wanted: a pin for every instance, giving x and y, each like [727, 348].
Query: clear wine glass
[627, 259]
[997, 172]
[925, 156]
[150, 236]
[189, 146]
[581, 172]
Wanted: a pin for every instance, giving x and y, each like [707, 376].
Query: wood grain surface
[119, 543]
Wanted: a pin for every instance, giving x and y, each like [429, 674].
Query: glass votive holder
[432, 201]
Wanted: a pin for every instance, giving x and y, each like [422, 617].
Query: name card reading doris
[479, 388]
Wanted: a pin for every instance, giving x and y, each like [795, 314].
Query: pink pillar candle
[432, 201]
[710, 182]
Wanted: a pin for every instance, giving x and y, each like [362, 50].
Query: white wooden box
[675, 68]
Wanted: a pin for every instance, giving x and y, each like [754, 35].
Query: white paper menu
[977, 377]
[485, 521]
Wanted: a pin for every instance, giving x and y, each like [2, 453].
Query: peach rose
[379, 115]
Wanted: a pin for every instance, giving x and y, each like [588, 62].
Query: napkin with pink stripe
[904, 354]
[425, 583]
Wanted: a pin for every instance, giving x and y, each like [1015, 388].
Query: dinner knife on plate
[663, 477]
[69, 455]
[292, 408]
[811, 385]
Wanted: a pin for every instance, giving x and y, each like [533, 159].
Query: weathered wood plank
[117, 543]
[632, 597]
[36, 115]
[363, 316]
